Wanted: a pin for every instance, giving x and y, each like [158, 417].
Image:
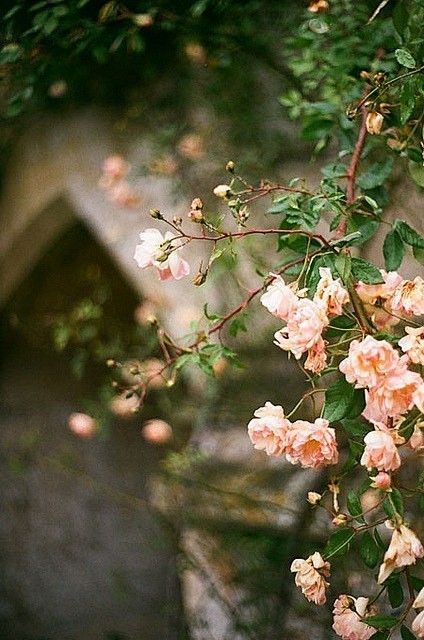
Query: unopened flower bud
[177, 220]
[163, 256]
[340, 520]
[230, 166]
[199, 279]
[156, 214]
[222, 191]
[381, 481]
[134, 371]
[196, 204]
[196, 215]
[314, 498]
[379, 77]
[111, 363]
[374, 122]
[365, 75]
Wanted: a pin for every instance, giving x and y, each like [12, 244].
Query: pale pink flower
[418, 397]
[413, 344]
[349, 621]
[158, 251]
[311, 444]
[419, 600]
[418, 625]
[416, 441]
[82, 425]
[115, 167]
[304, 328]
[317, 357]
[122, 194]
[380, 295]
[310, 577]
[409, 297]
[314, 497]
[393, 395]
[368, 361]
[380, 451]
[280, 299]
[267, 430]
[157, 431]
[405, 547]
[330, 293]
[381, 481]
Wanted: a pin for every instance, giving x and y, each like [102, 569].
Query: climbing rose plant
[353, 328]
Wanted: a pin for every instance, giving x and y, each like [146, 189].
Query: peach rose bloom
[393, 395]
[311, 444]
[279, 299]
[404, 549]
[368, 361]
[150, 253]
[310, 577]
[330, 293]
[413, 344]
[348, 618]
[304, 328]
[317, 357]
[267, 430]
[418, 625]
[82, 425]
[418, 397]
[380, 451]
[371, 294]
[157, 431]
[381, 481]
[409, 297]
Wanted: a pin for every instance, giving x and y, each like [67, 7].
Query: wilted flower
[151, 252]
[413, 344]
[310, 577]
[157, 431]
[268, 429]
[368, 361]
[317, 357]
[408, 297]
[330, 293]
[403, 550]
[311, 444]
[82, 425]
[380, 451]
[374, 122]
[349, 621]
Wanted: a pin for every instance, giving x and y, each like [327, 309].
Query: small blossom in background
[267, 430]
[310, 577]
[404, 549]
[82, 425]
[58, 89]
[311, 444]
[191, 146]
[413, 344]
[368, 361]
[349, 621]
[118, 190]
[380, 451]
[151, 253]
[123, 195]
[408, 298]
[157, 431]
[124, 407]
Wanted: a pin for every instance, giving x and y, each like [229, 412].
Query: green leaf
[393, 250]
[338, 543]
[357, 405]
[237, 325]
[416, 171]
[418, 254]
[316, 128]
[366, 272]
[355, 451]
[354, 506]
[406, 634]
[393, 504]
[408, 234]
[400, 17]
[405, 58]
[343, 264]
[338, 398]
[417, 583]
[369, 550]
[356, 429]
[395, 592]
[380, 622]
[376, 175]
[407, 102]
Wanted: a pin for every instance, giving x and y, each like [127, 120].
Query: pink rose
[368, 361]
[418, 397]
[279, 299]
[380, 451]
[418, 625]
[413, 344]
[310, 577]
[267, 430]
[82, 425]
[349, 621]
[403, 550]
[330, 293]
[393, 395]
[376, 299]
[419, 600]
[159, 251]
[304, 328]
[311, 444]
[408, 297]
